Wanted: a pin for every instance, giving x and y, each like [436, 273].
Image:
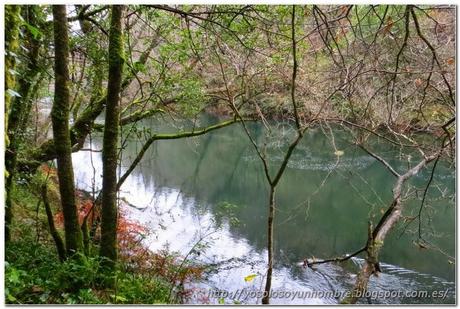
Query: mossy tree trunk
[20, 106]
[12, 22]
[61, 133]
[60, 247]
[110, 142]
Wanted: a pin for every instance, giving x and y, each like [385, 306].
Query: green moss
[109, 248]
[61, 132]
[12, 22]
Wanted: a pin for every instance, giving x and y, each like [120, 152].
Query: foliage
[229, 212]
[34, 274]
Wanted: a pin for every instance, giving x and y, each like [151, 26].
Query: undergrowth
[35, 275]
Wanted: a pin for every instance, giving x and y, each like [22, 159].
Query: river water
[206, 197]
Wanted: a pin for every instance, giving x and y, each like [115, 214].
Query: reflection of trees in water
[216, 171]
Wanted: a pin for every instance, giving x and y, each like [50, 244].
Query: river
[209, 194]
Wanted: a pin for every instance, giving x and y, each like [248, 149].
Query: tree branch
[169, 136]
[381, 160]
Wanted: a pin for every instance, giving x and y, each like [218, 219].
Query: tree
[12, 18]
[377, 235]
[402, 102]
[61, 133]
[110, 142]
[273, 181]
[21, 103]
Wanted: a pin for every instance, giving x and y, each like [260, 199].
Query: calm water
[207, 197]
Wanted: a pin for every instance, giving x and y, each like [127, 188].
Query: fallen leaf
[250, 278]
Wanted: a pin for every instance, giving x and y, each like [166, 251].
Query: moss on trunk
[110, 142]
[12, 22]
[61, 133]
[20, 106]
[53, 231]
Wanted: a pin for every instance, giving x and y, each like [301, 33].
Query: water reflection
[211, 190]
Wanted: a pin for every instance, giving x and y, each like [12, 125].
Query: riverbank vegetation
[37, 272]
[379, 72]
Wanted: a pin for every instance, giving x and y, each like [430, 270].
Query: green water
[323, 205]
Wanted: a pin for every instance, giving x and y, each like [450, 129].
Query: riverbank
[432, 124]
[35, 275]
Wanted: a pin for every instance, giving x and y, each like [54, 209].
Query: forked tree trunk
[273, 183]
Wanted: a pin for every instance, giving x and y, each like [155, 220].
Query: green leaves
[10, 297]
[13, 275]
[229, 212]
[118, 298]
[15, 282]
[191, 96]
[139, 67]
[36, 33]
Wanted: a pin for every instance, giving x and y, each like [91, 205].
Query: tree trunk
[110, 142]
[12, 22]
[377, 236]
[287, 156]
[53, 231]
[19, 108]
[271, 217]
[61, 134]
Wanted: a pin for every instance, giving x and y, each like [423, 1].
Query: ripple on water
[176, 222]
[318, 164]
